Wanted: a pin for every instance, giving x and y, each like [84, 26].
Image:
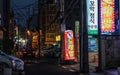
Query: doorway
[93, 53]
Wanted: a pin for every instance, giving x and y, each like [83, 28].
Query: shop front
[1, 39]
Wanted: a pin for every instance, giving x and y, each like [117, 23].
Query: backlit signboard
[68, 45]
[107, 16]
[92, 19]
[77, 23]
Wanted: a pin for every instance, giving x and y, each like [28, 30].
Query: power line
[28, 6]
[20, 13]
[71, 10]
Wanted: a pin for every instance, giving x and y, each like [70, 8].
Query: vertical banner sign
[16, 30]
[92, 19]
[68, 45]
[77, 28]
[107, 16]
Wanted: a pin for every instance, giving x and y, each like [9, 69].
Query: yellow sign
[58, 38]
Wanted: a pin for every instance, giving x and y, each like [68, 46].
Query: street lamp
[28, 32]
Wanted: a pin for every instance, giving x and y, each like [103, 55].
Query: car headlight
[13, 63]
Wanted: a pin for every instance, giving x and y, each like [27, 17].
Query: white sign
[92, 19]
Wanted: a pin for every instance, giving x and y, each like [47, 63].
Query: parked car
[45, 50]
[52, 51]
[28, 53]
[11, 61]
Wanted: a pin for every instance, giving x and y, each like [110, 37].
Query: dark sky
[23, 9]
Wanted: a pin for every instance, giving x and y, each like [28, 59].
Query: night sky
[23, 9]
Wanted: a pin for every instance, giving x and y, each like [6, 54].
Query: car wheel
[18, 72]
[21, 72]
[2, 68]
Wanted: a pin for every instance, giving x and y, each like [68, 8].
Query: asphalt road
[46, 67]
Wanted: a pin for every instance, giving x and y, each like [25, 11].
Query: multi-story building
[11, 27]
[1, 25]
[49, 25]
[7, 25]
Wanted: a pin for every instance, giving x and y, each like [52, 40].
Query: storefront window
[93, 53]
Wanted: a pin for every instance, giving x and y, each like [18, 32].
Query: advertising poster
[68, 45]
[92, 44]
[107, 16]
[93, 53]
[92, 19]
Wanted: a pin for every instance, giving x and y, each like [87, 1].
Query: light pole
[84, 67]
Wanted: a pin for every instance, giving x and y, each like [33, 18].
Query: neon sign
[107, 16]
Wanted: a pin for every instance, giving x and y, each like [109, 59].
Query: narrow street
[46, 67]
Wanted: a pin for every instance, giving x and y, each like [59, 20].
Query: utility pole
[84, 67]
[62, 25]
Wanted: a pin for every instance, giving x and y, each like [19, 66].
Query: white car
[11, 61]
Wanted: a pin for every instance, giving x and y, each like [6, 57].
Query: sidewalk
[111, 72]
[75, 68]
[72, 67]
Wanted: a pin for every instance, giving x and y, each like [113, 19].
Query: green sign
[77, 23]
[92, 31]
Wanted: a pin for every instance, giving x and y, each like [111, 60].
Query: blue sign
[92, 44]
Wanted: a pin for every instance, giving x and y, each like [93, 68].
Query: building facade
[49, 25]
[1, 24]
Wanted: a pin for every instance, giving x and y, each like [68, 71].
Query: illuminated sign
[107, 16]
[77, 23]
[68, 45]
[58, 38]
[16, 30]
[92, 19]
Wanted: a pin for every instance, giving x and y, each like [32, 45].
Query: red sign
[68, 45]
